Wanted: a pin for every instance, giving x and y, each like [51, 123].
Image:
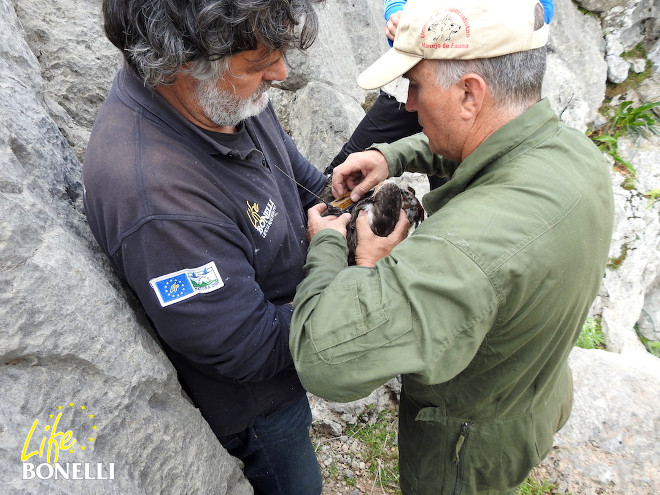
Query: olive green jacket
[478, 309]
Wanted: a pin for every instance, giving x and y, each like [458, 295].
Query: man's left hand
[316, 223]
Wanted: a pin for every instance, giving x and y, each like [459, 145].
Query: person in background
[189, 190]
[479, 308]
[387, 120]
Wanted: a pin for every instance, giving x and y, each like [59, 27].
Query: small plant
[635, 121]
[591, 336]
[653, 195]
[586, 12]
[533, 487]
[627, 120]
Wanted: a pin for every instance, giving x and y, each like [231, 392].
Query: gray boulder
[77, 62]
[576, 73]
[604, 448]
[626, 23]
[73, 341]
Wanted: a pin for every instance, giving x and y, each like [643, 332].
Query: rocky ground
[348, 465]
[363, 459]
[356, 443]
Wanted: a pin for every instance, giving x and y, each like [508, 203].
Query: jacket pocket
[427, 444]
[348, 331]
[450, 456]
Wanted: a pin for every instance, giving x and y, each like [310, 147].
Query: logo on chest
[262, 220]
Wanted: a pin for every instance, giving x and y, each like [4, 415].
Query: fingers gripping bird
[382, 204]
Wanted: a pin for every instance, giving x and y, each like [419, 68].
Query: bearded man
[188, 191]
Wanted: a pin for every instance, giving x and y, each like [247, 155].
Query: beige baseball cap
[456, 29]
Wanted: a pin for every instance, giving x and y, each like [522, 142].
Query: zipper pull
[460, 442]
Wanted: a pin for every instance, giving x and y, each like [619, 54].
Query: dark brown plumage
[382, 205]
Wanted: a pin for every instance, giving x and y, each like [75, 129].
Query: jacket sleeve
[412, 154]
[548, 10]
[355, 328]
[234, 329]
[392, 6]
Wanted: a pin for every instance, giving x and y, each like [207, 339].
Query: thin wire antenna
[300, 185]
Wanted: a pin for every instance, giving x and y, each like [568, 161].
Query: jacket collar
[514, 138]
[132, 91]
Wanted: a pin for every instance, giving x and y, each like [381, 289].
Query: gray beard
[224, 108]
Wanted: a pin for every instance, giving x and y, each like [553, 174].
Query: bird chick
[382, 204]
[382, 208]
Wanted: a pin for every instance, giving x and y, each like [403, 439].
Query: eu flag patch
[178, 286]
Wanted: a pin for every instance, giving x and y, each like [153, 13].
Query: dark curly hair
[157, 37]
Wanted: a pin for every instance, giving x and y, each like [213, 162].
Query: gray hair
[159, 37]
[514, 80]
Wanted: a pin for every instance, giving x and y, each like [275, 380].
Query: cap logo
[441, 27]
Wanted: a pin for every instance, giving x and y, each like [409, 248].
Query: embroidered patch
[262, 221]
[177, 286]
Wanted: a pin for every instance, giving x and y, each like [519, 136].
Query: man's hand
[370, 247]
[392, 24]
[359, 173]
[316, 223]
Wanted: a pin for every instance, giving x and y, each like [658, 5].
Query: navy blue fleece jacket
[211, 237]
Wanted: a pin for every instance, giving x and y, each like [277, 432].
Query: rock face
[73, 336]
[605, 448]
[71, 342]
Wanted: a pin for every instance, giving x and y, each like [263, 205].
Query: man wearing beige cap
[480, 307]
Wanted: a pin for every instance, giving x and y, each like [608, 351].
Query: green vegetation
[533, 487]
[653, 195]
[591, 336]
[626, 120]
[378, 435]
[587, 12]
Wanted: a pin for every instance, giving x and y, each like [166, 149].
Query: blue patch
[178, 286]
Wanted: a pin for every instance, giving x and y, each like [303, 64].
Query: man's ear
[474, 94]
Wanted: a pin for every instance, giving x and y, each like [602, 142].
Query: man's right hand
[359, 174]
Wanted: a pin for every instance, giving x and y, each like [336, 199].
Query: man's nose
[276, 72]
[411, 102]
